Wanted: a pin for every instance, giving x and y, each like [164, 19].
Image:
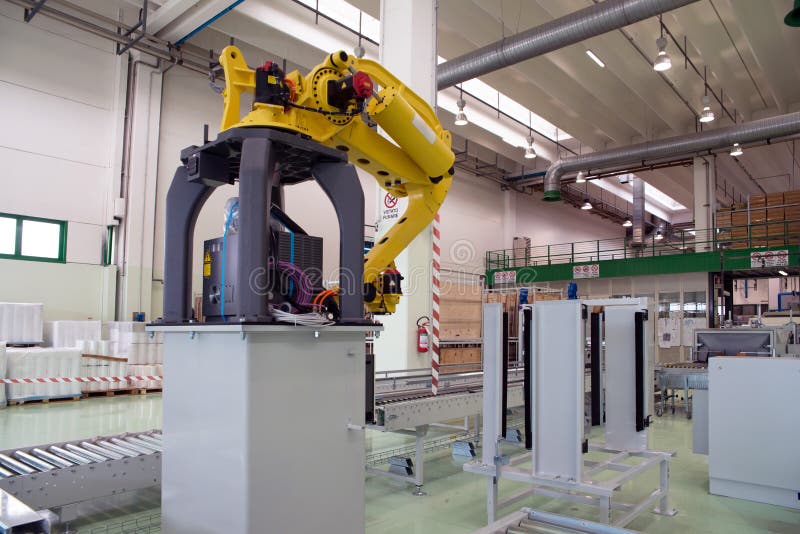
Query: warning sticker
[207, 264]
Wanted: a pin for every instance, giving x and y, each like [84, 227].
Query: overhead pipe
[678, 146]
[570, 29]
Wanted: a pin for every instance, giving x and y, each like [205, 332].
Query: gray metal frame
[262, 159]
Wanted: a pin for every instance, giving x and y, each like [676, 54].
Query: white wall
[59, 103]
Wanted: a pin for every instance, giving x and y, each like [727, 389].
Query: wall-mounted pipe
[678, 146]
[570, 29]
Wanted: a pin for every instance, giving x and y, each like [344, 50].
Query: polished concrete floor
[455, 501]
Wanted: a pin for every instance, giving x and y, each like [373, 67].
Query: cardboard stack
[758, 220]
[774, 221]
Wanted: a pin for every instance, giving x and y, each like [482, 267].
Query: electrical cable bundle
[304, 289]
[300, 319]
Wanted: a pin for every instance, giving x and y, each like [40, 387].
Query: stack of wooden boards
[773, 219]
[461, 319]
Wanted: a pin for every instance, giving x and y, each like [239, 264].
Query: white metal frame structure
[557, 411]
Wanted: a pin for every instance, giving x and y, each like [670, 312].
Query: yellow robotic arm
[328, 105]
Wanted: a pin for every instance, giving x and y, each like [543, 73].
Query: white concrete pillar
[408, 50]
[138, 226]
[705, 183]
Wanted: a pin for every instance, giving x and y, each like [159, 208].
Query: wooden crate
[470, 356]
[758, 201]
[723, 219]
[776, 228]
[775, 199]
[758, 216]
[460, 311]
[739, 218]
[791, 197]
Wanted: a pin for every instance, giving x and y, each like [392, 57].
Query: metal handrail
[761, 234]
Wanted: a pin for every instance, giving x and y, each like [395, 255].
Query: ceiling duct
[638, 212]
[679, 146]
[570, 29]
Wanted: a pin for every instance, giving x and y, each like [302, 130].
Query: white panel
[557, 383]
[85, 243]
[74, 131]
[49, 187]
[620, 377]
[492, 375]
[68, 290]
[753, 438]
[67, 68]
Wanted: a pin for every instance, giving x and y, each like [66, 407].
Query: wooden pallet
[109, 393]
[145, 391]
[19, 402]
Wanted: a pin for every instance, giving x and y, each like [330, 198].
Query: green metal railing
[768, 234]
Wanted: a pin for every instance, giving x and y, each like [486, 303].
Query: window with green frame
[32, 238]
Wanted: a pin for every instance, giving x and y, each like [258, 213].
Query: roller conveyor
[60, 475]
[407, 402]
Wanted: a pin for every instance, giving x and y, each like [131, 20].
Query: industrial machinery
[59, 476]
[267, 316]
[559, 462]
[302, 127]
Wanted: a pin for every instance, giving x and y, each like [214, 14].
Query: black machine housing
[303, 250]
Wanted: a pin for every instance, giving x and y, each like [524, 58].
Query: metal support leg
[663, 486]
[419, 460]
[185, 199]
[340, 182]
[605, 510]
[491, 500]
[255, 197]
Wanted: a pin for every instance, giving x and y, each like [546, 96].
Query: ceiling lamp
[662, 62]
[586, 204]
[793, 17]
[628, 223]
[461, 117]
[595, 59]
[659, 235]
[736, 150]
[581, 178]
[706, 115]
[530, 152]
[783, 273]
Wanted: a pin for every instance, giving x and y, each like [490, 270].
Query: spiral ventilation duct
[570, 29]
[679, 146]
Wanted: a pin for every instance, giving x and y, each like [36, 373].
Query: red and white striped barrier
[50, 380]
[437, 254]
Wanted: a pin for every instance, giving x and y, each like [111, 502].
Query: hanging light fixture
[530, 152]
[706, 115]
[628, 223]
[736, 150]
[663, 61]
[581, 178]
[659, 235]
[586, 204]
[461, 117]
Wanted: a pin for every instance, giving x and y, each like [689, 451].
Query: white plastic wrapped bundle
[42, 363]
[21, 322]
[67, 333]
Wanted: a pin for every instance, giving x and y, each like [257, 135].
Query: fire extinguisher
[422, 334]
